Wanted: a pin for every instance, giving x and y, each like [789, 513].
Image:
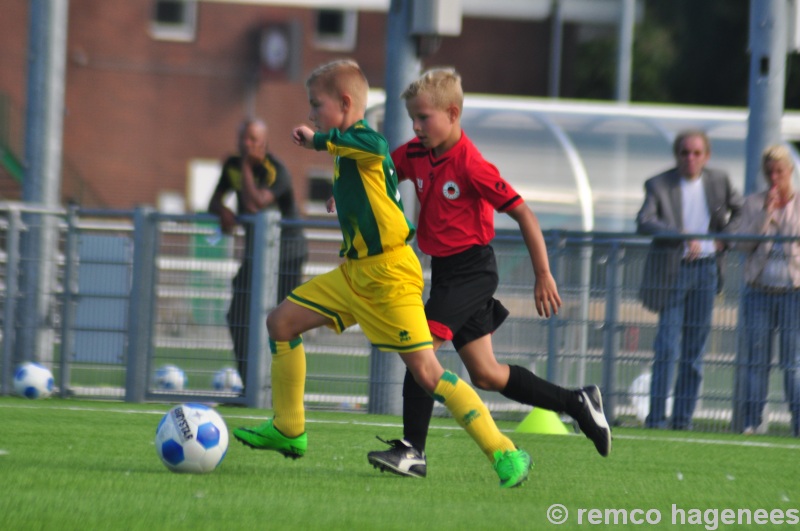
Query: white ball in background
[33, 380]
[228, 379]
[171, 378]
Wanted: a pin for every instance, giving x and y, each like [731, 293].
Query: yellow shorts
[381, 293]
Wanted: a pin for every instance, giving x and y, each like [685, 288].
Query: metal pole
[556, 245]
[142, 303]
[43, 141]
[12, 280]
[266, 250]
[556, 45]
[625, 50]
[611, 328]
[768, 41]
[402, 67]
[68, 301]
[768, 34]
[36, 108]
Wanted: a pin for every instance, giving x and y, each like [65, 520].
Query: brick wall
[139, 109]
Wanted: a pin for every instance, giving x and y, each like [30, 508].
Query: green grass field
[91, 465]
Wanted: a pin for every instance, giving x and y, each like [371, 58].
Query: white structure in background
[640, 397]
[582, 165]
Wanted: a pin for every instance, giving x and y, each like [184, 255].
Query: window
[320, 189]
[336, 30]
[174, 20]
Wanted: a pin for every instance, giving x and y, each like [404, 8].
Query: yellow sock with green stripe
[471, 413]
[288, 386]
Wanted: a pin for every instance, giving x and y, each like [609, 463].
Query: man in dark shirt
[259, 181]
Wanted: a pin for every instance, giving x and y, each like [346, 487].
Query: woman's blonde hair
[777, 153]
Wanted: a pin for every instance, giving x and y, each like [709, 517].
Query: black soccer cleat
[592, 420]
[401, 459]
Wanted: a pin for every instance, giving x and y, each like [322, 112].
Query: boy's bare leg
[471, 413]
[285, 432]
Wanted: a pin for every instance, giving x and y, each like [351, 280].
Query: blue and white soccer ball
[228, 379]
[33, 380]
[191, 438]
[171, 377]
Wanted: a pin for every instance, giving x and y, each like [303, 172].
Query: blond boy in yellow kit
[379, 285]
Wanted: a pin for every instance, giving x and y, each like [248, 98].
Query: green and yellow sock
[471, 413]
[288, 386]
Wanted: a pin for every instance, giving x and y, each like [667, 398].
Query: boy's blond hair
[443, 85]
[341, 77]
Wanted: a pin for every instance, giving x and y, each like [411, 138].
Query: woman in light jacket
[772, 296]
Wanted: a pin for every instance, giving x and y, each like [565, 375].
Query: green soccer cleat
[267, 437]
[512, 466]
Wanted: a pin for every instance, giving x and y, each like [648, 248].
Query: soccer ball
[33, 380]
[191, 438]
[171, 377]
[228, 379]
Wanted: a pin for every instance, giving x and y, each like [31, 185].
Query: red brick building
[144, 99]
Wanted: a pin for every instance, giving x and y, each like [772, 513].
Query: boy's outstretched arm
[303, 136]
[545, 291]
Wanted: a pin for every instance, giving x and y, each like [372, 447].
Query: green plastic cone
[542, 421]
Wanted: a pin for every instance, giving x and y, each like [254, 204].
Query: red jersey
[458, 194]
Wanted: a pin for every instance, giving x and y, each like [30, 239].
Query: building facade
[155, 89]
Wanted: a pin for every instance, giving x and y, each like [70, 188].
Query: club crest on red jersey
[451, 190]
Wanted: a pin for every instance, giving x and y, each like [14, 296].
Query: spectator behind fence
[259, 180]
[378, 285]
[772, 295]
[682, 277]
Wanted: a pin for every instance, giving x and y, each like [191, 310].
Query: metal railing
[133, 291]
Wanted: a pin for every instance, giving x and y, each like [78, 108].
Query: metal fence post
[611, 328]
[741, 368]
[12, 288]
[68, 301]
[142, 303]
[386, 374]
[553, 324]
[265, 261]
[585, 250]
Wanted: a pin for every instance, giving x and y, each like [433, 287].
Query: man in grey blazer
[682, 276]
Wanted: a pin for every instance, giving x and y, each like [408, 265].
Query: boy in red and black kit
[458, 192]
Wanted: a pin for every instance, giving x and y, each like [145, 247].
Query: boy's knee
[487, 381]
[427, 382]
[427, 376]
[276, 327]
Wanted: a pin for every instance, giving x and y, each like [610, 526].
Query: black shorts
[462, 307]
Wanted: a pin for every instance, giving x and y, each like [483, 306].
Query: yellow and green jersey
[368, 202]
